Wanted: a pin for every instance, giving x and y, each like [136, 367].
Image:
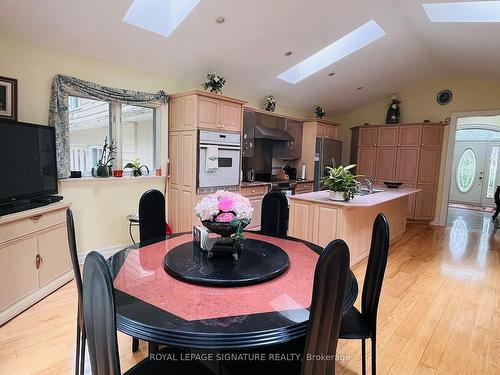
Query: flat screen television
[27, 161]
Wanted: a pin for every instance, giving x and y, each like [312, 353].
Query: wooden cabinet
[304, 187]
[425, 203]
[388, 136]
[410, 135]
[368, 136]
[385, 163]
[408, 153]
[255, 194]
[326, 129]
[366, 162]
[218, 114]
[34, 257]
[248, 136]
[407, 161]
[188, 112]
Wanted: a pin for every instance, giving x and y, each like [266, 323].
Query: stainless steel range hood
[261, 132]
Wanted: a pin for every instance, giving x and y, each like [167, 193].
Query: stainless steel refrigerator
[328, 154]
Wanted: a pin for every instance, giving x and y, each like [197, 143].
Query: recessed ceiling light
[336, 51]
[331, 74]
[220, 19]
[288, 53]
[359, 88]
[472, 11]
[159, 16]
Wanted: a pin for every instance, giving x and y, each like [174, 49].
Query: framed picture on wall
[8, 98]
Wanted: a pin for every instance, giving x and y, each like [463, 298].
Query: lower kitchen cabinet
[255, 195]
[34, 257]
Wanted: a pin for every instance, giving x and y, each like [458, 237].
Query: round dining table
[154, 306]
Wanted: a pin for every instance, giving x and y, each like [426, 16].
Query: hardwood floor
[439, 313]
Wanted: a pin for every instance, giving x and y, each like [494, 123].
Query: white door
[491, 174]
[468, 172]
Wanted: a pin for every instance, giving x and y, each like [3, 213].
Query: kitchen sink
[367, 192]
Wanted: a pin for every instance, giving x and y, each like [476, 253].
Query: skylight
[159, 16]
[473, 11]
[357, 39]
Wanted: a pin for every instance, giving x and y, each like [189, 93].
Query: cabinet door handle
[38, 261]
[36, 217]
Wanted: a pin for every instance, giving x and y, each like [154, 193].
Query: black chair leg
[152, 348]
[77, 354]
[374, 356]
[135, 345]
[82, 357]
[363, 356]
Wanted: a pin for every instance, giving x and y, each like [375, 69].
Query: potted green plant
[136, 167]
[341, 183]
[103, 166]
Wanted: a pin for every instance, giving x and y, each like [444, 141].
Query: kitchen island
[315, 218]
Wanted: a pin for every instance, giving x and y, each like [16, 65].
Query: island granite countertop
[374, 199]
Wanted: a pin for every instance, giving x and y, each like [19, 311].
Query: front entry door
[468, 174]
[491, 174]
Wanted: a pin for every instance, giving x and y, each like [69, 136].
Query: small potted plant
[270, 103]
[215, 83]
[341, 183]
[136, 167]
[319, 112]
[226, 214]
[103, 166]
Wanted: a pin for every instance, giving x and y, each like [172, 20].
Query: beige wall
[100, 207]
[470, 93]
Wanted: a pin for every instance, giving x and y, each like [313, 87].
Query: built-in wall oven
[218, 161]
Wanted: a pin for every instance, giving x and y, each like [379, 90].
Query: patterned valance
[62, 86]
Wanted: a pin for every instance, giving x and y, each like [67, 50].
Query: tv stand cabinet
[34, 257]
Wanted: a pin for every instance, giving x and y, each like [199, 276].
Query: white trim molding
[450, 148]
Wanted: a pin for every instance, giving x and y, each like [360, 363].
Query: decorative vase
[227, 244]
[336, 196]
[103, 171]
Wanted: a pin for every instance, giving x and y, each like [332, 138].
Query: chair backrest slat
[70, 225]
[152, 215]
[330, 280]
[99, 316]
[375, 269]
[274, 219]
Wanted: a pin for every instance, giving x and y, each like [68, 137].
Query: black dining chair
[80, 326]
[100, 323]
[363, 325]
[497, 202]
[274, 218]
[152, 219]
[319, 348]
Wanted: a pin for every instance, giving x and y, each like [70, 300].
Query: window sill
[98, 180]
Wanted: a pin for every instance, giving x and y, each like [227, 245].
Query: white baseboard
[106, 252]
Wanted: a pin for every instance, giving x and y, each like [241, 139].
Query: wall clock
[444, 97]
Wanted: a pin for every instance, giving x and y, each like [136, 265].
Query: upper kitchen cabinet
[326, 129]
[198, 109]
[410, 135]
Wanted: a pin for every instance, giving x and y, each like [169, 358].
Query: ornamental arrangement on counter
[215, 83]
[319, 112]
[270, 103]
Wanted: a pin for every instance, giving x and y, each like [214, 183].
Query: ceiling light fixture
[359, 88]
[331, 74]
[159, 16]
[336, 51]
[472, 11]
[288, 53]
[220, 19]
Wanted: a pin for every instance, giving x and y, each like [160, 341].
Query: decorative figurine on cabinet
[393, 115]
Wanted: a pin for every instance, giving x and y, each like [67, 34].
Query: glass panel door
[492, 174]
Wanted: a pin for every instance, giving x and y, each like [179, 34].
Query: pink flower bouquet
[233, 209]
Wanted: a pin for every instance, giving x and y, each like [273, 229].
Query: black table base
[258, 261]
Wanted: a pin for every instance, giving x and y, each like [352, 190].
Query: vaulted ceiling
[249, 47]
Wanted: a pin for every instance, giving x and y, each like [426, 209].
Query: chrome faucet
[369, 185]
